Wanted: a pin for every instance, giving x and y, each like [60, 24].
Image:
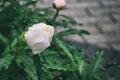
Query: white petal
[38, 39]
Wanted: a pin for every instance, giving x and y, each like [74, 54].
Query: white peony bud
[38, 37]
[59, 4]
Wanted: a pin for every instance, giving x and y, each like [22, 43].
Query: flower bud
[59, 4]
[38, 37]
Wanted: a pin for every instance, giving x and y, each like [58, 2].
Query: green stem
[56, 14]
[37, 63]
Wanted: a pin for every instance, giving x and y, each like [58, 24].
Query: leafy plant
[61, 61]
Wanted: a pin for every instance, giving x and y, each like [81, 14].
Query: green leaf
[75, 50]
[10, 47]
[80, 65]
[72, 31]
[25, 62]
[94, 66]
[56, 60]
[30, 3]
[113, 64]
[6, 61]
[71, 20]
[4, 39]
[14, 42]
[58, 67]
[64, 48]
[62, 23]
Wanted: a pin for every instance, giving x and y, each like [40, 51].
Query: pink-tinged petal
[37, 38]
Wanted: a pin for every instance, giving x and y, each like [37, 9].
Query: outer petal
[50, 32]
[37, 40]
[59, 3]
[38, 47]
[39, 26]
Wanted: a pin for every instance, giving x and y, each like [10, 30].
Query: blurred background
[102, 19]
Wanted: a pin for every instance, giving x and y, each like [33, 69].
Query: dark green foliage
[61, 61]
[26, 63]
[93, 67]
[72, 31]
[117, 64]
[6, 61]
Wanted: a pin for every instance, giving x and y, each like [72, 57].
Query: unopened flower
[59, 4]
[38, 37]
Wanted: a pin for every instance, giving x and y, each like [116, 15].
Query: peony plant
[30, 49]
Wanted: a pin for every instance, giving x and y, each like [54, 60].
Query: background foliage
[61, 61]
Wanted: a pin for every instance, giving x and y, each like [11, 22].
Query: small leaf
[59, 67]
[26, 63]
[64, 48]
[72, 31]
[94, 66]
[114, 64]
[70, 20]
[56, 60]
[4, 39]
[62, 23]
[6, 61]
[14, 43]
[80, 65]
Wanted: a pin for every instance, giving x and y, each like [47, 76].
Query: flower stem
[37, 63]
[56, 14]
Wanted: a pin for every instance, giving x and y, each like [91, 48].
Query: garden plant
[31, 49]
